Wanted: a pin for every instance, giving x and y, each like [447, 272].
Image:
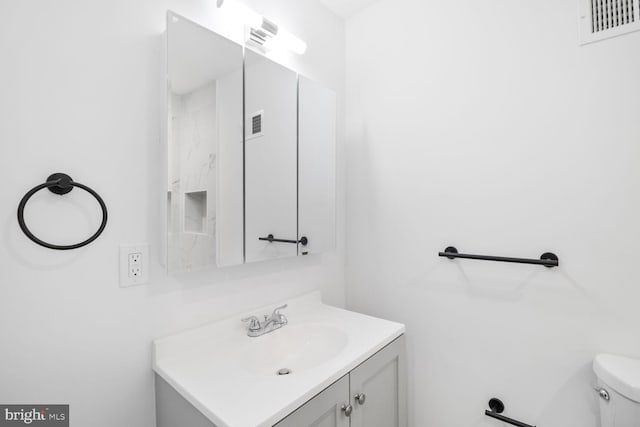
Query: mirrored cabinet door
[270, 159]
[204, 138]
[317, 166]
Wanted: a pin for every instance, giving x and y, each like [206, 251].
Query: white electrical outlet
[134, 265]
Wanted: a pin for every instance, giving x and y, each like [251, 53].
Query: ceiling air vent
[255, 125]
[603, 19]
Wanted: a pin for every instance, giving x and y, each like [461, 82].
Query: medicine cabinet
[250, 154]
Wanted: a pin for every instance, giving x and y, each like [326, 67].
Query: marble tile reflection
[192, 179]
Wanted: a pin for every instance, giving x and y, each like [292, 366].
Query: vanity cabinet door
[379, 388]
[324, 410]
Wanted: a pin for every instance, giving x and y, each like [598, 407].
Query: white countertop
[204, 366]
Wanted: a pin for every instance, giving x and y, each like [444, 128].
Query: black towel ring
[60, 183]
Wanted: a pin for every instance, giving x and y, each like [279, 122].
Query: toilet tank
[619, 386]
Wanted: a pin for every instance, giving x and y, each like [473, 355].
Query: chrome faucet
[257, 328]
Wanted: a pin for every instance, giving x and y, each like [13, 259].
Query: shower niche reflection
[251, 154]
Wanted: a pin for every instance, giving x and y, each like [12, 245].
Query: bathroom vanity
[250, 148]
[341, 369]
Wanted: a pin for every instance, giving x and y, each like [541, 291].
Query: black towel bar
[497, 407]
[547, 259]
[303, 240]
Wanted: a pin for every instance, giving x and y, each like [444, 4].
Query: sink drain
[284, 371]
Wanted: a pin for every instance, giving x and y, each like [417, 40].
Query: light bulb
[241, 13]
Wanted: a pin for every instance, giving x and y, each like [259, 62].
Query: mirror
[270, 159]
[250, 154]
[204, 141]
[316, 166]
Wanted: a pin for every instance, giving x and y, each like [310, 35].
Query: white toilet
[619, 389]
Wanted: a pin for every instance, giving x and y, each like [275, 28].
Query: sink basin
[296, 348]
[217, 367]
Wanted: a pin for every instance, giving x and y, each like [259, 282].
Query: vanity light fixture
[262, 32]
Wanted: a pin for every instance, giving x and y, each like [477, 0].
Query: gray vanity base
[172, 410]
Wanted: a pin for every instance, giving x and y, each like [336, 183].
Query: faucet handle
[282, 307]
[254, 323]
[281, 318]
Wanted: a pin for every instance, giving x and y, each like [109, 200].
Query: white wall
[81, 95]
[483, 125]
